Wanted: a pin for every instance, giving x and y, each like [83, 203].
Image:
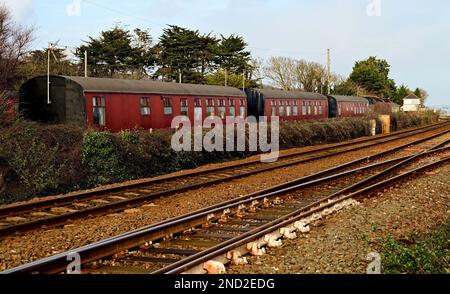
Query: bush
[36, 162]
[422, 257]
[101, 156]
[299, 134]
[62, 158]
[403, 120]
[7, 112]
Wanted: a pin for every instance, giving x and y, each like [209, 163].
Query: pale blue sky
[413, 35]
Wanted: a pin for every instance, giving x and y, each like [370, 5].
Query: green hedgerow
[102, 157]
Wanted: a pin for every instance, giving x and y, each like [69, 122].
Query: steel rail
[284, 221]
[109, 247]
[27, 207]
[120, 205]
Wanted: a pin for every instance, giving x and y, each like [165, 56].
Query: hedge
[49, 159]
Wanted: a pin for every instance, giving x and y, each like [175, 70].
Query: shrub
[298, 134]
[7, 112]
[430, 256]
[403, 120]
[37, 166]
[102, 158]
[37, 163]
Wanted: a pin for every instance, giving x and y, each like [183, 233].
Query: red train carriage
[288, 105]
[116, 104]
[347, 106]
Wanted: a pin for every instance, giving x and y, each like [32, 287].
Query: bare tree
[14, 42]
[311, 76]
[281, 71]
[292, 74]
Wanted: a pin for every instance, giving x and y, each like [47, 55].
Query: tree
[35, 64]
[231, 55]
[400, 93]
[14, 42]
[119, 52]
[373, 75]
[347, 87]
[179, 52]
[281, 71]
[206, 53]
[422, 94]
[292, 74]
[311, 76]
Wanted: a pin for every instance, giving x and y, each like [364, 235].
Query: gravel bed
[27, 247]
[341, 242]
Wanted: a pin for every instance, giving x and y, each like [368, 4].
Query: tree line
[188, 56]
[368, 77]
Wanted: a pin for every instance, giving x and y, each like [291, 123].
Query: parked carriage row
[116, 104]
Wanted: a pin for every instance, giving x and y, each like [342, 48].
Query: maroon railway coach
[347, 106]
[117, 104]
[288, 105]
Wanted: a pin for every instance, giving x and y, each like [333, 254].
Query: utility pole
[85, 64]
[179, 76]
[328, 72]
[50, 45]
[243, 80]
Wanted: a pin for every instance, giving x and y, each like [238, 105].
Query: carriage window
[281, 111]
[168, 110]
[315, 110]
[288, 109]
[198, 110]
[295, 110]
[242, 109]
[222, 109]
[184, 110]
[145, 106]
[209, 107]
[309, 110]
[321, 109]
[232, 108]
[273, 105]
[98, 104]
[303, 108]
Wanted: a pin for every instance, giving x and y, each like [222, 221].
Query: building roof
[411, 96]
[341, 98]
[281, 94]
[154, 87]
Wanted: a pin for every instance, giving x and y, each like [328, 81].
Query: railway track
[228, 231]
[59, 211]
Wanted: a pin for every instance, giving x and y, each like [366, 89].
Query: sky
[412, 35]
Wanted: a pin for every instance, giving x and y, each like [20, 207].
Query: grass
[430, 255]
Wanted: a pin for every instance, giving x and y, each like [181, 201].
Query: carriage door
[145, 106]
[99, 111]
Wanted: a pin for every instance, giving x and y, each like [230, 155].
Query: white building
[411, 103]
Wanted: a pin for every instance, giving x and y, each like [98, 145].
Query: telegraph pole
[48, 72]
[85, 64]
[328, 72]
